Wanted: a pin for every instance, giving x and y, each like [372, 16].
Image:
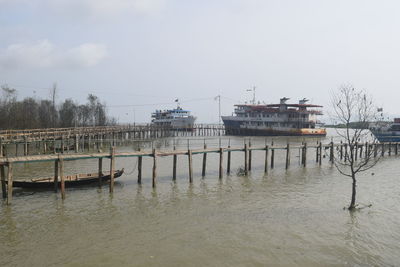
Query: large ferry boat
[274, 119]
[177, 119]
[387, 132]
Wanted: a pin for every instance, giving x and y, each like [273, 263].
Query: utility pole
[219, 107]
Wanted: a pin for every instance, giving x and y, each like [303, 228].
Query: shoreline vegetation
[35, 113]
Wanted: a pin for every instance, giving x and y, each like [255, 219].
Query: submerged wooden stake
[228, 166]
[175, 159]
[246, 170]
[62, 178]
[56, 168]
[266, 159]
[100, 171]
[287, 156]
[154, 168]
[250, 156]
[203, 171]
[190, 166]
[9, 183]
[112, 167]
[139, 178]
[221, 161]
[3, 181]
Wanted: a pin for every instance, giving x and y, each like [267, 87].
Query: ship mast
[254, 94]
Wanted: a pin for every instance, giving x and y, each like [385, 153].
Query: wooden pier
[270, 150]
[81, 139]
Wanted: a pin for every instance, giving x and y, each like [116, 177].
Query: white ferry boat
[274, 119]
[177, 119]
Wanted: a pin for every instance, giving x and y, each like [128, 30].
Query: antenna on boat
[254, 94]
[177, 101]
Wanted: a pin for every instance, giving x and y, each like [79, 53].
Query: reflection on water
[292, 217]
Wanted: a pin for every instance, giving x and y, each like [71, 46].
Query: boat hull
[272, 132]
[68, 183]
[386, 137]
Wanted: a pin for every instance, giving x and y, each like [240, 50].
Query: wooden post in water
[305, 155]
[203, 171]
[396, 148]
[3, 181]
[266, 159]
[62, 178]
[1, 147]
[154, 168]
[9, 183]
[76, 143]
[139, 178]
[383, 149]
[56, 169]
[341, 150]
[331, 153]
[112, 167]
[246, 170]
[190, 166]
[345, 153]
[100, 171]
[221, 161]
[175, 159]
[272, 155]
[250, 155]
[317, 152]
[390, 149]
[361, 151]
[375, 150]
[228, 166]
[287, 156]
[320, 154]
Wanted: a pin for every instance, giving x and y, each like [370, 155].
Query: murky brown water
[285, 218]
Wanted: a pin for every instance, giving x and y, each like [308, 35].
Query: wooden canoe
[70, 180]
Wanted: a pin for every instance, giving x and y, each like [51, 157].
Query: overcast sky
[139, 55]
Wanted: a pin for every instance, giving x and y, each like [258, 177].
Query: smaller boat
[387, 132]
[70, 180]
[176, 119]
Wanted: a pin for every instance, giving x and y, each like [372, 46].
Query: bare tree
[355, 110]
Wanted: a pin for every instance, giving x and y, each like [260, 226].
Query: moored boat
[70, 180]
[176, 119]
[274, 119]
[387, 132]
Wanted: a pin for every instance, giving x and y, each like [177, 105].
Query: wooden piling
[56, 168]
[250, 156]
[154, 168]
[266, 160]
[320, 153]
[175, 160]
[3, 181]
[341, 150]
[383, 149]
[287, 156]
[331, 152]
[305, 155]
[272, 156]
[221, 161]
[228, 166]
[190, 166]
[9, 183]
[139, 178]
[62, 178]
[112, 167]
[203, 171]
[356, 151]
[100, 173]
[246, 170]
[317, 152]
[390, 149]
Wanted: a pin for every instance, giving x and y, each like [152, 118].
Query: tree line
[31, 113]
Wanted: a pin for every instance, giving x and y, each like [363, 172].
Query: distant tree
[46, 110]
[353, 106]
[67, 111]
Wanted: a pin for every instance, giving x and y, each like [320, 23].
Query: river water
[284, 218]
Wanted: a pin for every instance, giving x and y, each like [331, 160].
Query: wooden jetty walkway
[342, 150]
[78, 139]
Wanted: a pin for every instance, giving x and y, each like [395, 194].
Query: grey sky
[138, 52]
